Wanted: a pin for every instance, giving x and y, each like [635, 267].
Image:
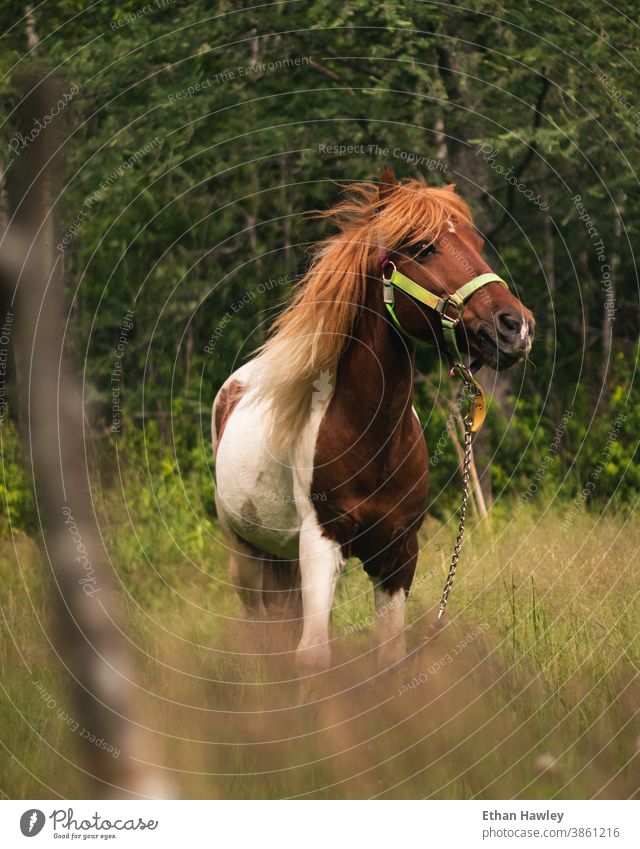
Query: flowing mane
[308, 338]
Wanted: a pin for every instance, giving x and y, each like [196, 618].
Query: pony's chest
[364, 487]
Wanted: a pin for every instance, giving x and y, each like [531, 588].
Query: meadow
[531, 690]
[189, 152]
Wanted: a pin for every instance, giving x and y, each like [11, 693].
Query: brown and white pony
[319, 454]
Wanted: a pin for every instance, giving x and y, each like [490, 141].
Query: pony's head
[428, 234]
[429, 237]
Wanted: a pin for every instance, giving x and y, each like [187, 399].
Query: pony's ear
[450, 187]
[388, 182]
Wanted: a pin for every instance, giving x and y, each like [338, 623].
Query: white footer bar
[319, 824]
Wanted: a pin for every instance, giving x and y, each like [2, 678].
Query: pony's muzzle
[514, 332]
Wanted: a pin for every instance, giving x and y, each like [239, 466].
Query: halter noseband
[457, 300]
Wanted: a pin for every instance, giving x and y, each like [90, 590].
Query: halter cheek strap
[396, 280]
[456, 301]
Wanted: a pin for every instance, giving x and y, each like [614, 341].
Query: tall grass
[530, 690]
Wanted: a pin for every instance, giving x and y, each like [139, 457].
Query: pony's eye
[423, 250]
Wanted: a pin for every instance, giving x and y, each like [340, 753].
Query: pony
[319, 454]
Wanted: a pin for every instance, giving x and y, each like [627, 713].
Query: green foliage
[158, 511]
[197, 145]
[17, 508]
[609, 458]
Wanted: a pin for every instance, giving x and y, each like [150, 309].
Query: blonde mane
[308, 338]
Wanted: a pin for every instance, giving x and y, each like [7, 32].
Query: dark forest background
[195, 140]
[196, 137]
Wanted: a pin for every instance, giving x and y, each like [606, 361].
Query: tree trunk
[609, 293]
[90, 644]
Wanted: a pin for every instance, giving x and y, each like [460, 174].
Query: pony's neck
[376, 369]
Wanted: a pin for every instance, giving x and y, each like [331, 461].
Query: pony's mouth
[493, 355]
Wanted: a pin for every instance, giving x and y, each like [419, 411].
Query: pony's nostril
[509, 322]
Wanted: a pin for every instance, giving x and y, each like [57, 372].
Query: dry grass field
[531, 690]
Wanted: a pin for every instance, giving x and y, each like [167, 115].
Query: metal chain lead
[466, 474]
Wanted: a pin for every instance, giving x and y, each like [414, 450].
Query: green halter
[457, 300]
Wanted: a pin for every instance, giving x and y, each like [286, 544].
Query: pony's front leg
[321, 561]
[390, 598]
[389, 625]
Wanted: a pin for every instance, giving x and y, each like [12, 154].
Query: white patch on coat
[263, 493]
[321, 558]
[321, 562]
[266, 500]
[254, 488]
